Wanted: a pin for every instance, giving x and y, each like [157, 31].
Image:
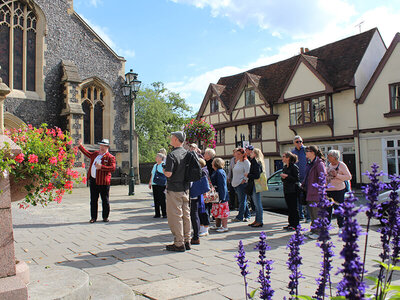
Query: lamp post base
[131, 182]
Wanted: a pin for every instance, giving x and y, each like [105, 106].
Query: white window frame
[396, 149]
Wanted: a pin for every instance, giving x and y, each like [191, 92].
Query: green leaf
[304, 297]
[372, 278]
[393, 288]
[381, 263]
[253, 293]
[338, 298]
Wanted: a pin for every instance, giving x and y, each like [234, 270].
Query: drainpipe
[358, 142]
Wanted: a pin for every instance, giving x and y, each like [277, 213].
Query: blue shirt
[302, 163]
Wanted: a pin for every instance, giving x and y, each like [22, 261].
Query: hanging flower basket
[42, 172]
[200, 132]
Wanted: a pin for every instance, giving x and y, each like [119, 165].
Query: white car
[382, 198]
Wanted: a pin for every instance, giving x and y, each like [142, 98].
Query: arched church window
[18, 24]
[94, 109]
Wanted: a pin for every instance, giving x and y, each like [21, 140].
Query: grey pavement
[131, 248]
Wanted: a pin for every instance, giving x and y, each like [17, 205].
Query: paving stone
[171, 289]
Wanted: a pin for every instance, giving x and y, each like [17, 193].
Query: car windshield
[275, 179]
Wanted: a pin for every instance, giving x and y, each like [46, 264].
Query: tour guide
[102, 164]
[178, 210]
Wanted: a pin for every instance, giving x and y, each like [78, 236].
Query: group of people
[187, 213]
[302, 169]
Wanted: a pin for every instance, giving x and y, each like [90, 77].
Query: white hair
[334, 153]
[297, 137]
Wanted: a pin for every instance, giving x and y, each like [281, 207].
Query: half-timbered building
[315, 94]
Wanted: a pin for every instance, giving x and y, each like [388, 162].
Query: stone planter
[22, 271]
[17, 188]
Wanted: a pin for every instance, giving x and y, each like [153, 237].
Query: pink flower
[20, 157]
[83, 165]
[33, 158]
[53, 160]
[68, 185]
[84, 180]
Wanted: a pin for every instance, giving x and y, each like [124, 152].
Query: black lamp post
[129, 89]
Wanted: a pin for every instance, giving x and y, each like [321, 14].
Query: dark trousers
[291, 202]
[159, 200]
[338, 197]
[233, 202]
[104, 192]
[204, 218]
[194, 217]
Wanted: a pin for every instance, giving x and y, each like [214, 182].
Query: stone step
[106, 287]
[61, 283]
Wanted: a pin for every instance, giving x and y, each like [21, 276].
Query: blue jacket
[218, 179]
[302, 163]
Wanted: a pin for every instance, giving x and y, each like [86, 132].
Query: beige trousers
[313, 215]
[178, 213]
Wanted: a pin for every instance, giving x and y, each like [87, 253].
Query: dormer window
[250, 97]
[214, 105]
[394, 97]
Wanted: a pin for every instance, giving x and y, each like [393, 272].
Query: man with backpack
[178, 208]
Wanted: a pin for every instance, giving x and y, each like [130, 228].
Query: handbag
[211, 196]
[261, 183]
[199, 187]
[159, 178]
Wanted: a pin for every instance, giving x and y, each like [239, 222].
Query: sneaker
[236, 220]
[215, 227]
[204, 232]
[289, 228]
[313, 236]
[175, 248]
[245, 220]
[222, 229]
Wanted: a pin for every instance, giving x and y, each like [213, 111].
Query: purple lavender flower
[294, 262]
[322, 225]
[264, 277]
[351, 286]
[242, 263]
[371, 192]
[390, 234]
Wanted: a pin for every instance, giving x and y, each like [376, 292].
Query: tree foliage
[158, 112]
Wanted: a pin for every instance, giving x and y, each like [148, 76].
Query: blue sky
[187, 44]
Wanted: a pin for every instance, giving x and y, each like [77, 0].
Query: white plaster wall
[344, 112]
[268, 130]
[377, 102]
[303, 82]
[283, 131]
[373, 55]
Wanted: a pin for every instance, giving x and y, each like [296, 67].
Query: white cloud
[317, 31]
[102, 32]
[95, 3]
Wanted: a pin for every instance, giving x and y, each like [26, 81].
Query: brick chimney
[306, 50]
[301, 50]
[70, 8]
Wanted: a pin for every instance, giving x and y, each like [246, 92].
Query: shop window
[392, 153]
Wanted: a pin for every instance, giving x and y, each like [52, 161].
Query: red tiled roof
[336, 62]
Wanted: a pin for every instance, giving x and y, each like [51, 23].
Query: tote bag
[261, 183]
[199, 187]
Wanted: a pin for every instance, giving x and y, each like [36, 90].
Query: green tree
[158, 112]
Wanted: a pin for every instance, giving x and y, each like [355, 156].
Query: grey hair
[210, 152]
[297, 137]
[161, 155]
[334, 153]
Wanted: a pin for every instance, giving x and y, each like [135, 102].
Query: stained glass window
[18, 17]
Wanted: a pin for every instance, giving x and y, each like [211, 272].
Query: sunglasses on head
[298, 142]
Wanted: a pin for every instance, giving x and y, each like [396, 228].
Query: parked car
[382, 198]
[274, 198]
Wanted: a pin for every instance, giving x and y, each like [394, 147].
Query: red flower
[53, 160]
[68, 185]
[33, 158]
[83, 165]
[20, 157]
[84, 180]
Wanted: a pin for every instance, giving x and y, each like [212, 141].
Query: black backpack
[192, 167]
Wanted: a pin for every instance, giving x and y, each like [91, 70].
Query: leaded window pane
[18, 58]
[86, 122]
[98, 122]
[4, 52]
[395, 96]
[250, 97]
[31, 61]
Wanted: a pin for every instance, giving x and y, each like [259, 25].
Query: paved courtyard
[131, 248]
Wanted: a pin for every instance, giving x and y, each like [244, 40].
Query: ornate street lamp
[129, 89]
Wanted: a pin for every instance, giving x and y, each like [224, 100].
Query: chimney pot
[301, 50]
